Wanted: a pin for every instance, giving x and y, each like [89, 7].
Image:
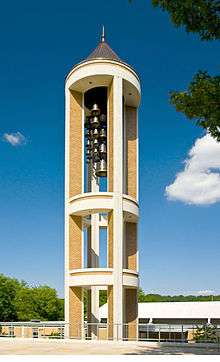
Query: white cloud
[199, 182]
[15, 139]
[206, 292]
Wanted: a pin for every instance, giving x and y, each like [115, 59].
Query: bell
[101, 169]
[102, 134]
[95, 143]
[103, 148]
[87, 153]
[94, 121]
[95, 151]
[95, 110]
[88, 144]
[95, 133]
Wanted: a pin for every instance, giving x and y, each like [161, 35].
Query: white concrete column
[118, 207]
[94, 262]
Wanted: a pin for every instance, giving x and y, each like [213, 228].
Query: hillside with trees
[142, 297]
[21, 302]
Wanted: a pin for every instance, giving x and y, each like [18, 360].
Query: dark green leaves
[197, 16]
[20, 302]
[201, 102]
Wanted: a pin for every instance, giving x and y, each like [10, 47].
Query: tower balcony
[99, 202]
[88, 277]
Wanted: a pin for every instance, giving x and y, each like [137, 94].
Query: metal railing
[53, 330]
[181, 333]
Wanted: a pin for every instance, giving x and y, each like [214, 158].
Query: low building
[172, 320]
[174, 312]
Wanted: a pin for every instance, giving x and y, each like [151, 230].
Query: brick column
[131, 151]
[131, 313]
[75, 312]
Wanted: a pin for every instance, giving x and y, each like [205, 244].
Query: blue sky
[40, 41]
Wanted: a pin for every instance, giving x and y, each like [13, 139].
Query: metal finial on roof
[103, 34]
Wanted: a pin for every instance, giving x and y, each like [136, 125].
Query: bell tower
[102, 95]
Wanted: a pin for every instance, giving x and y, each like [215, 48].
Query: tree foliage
[20, 302]
[206, 333]
[8, 291]
[201, 102]
[197, 16]
[142, 297]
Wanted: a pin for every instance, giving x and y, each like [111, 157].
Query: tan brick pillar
[131, 301]
[131, 150]
[75, 262]
[131, 246]
[131, 313]
[75, 312]
[75, 242]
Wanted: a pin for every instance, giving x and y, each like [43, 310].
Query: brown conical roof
[103, 51]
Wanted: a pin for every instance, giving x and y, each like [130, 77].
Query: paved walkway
[70, 347]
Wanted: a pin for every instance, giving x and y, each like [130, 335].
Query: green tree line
[142, 297]
[21, 302]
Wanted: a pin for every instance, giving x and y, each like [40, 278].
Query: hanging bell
[95, 143]
[95, 133]
[95, 110]
[101, 169]
[94, 121]
[87, 153]
[95, 151]
[102, 134]
[88, 144]
[103, 148]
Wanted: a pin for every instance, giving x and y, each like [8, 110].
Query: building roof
[103, 51]
[174, 310]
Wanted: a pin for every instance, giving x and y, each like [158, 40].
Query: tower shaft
[101, 196]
